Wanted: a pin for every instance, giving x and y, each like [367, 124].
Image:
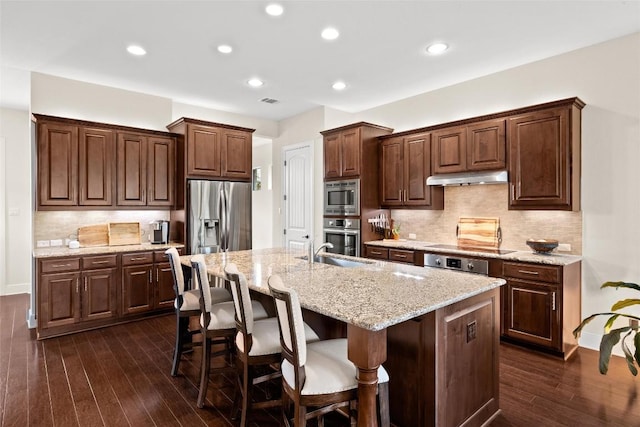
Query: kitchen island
[454, 351]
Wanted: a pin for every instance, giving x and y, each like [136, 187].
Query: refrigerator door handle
[224, 223]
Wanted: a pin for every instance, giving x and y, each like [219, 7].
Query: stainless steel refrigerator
[218, 216]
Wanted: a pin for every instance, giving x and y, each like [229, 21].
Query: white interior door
[298, 195]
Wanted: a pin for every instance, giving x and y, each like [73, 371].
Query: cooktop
[466, 248]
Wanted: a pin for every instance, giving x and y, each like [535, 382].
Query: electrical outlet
[56, 242]
[633, 323]
[42, 244]
[564, 247]
[472, 329]
[412, 236]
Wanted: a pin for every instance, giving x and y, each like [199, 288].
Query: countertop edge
[63, 251]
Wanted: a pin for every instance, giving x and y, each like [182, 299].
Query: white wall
[262, 200]
[15, 129]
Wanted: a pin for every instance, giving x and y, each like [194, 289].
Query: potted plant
[611, 336]
[395, 231]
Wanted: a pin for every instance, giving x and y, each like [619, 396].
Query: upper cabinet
[405, 164]
[85, 165]
[349, 150]
[544, 157]
[214, 150]
[478, 146]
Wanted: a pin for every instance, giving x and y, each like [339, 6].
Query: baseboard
[592, 341]
[16, 288]
[31, 319]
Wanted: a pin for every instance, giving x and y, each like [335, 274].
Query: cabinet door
[235, 155]
[164, 292]
[59, 299]
[350, 152]
[391, 176]
[417, 168]
[99, 294]
[539, 161]
[132, 168]
[450, 150]
[160, 171]
[137, 295]
[331, 145]
[57, 165]
[533, 313]
[203, 151]
[486, 145]
[97, 159]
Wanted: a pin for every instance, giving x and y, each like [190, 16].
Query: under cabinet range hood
[469, 178]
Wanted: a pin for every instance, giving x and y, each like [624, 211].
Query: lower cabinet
[79, 293]
[542, 305]
[388, 254]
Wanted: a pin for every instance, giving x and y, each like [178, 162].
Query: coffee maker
[159, 232]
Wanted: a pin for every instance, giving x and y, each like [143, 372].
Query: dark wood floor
[120, 376]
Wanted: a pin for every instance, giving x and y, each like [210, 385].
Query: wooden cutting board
[479, 232]
[124, 233]
[93, 235]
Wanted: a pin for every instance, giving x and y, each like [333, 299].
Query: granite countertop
[372, 296]
[98, 250]
[522, 256]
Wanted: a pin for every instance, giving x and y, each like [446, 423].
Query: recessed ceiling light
[255, 82]
[136, 50]
[274, 9]
[225, 48]
[339, 85]
[330, 33]
[437, 48]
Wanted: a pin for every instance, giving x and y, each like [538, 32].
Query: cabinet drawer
[537, 272]
[103, 261]
[400, 255]
[137, 258]
[160, 256]
[377, 253]
[59, 265]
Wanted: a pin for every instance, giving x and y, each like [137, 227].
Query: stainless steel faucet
[327, 245]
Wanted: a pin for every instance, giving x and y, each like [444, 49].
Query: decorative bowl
[542, 246]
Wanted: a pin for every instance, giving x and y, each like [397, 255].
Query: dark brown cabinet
[544, 158]
[405, 165]
[75, 290]
[391, 254]
[342, 153]
[145, 170]
[147, 282]
[214, 150]
[541, 305]
[477, 146]
[86, 165]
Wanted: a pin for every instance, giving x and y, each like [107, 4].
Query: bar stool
[257, 345]
[318, 375]
[187, 304]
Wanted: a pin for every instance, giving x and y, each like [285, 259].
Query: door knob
[306, 237]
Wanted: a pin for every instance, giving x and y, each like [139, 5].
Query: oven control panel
[469, 265]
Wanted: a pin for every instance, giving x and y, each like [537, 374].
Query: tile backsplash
[48, 225]
[490, 201]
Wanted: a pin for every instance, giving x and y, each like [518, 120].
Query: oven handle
[343, 232]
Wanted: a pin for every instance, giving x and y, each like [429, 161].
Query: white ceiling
[380, 52]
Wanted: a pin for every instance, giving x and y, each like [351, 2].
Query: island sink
[339, 262]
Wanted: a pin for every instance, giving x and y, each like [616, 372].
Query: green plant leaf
[607, 326]
[627, 353]
[620, 285]
[606, 346]
[576, 331]
[625, 303]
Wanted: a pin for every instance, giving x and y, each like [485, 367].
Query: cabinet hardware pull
[400, 256]
[157, 274]
[400, 194]
[77, 286]
[553, 301]
[138, 259]
[85, 284]
[61, 265]
[513, 192]
[376, 253]
[150, 277]
[405, 195]
[535, 273]
[99, 262]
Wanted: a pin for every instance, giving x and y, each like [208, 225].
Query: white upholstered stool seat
[223, 315]
[266, 337]
[328, 369]
[191, 298]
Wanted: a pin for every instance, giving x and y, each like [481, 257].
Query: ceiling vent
[269, 100]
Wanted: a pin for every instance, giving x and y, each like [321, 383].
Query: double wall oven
[342, 211]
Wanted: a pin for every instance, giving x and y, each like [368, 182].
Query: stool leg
[204, 370]
[246, 392]
[383, 404]
[181, 329]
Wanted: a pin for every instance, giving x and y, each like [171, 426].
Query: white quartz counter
[373, 296]
[98, 250]
[522, 256]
